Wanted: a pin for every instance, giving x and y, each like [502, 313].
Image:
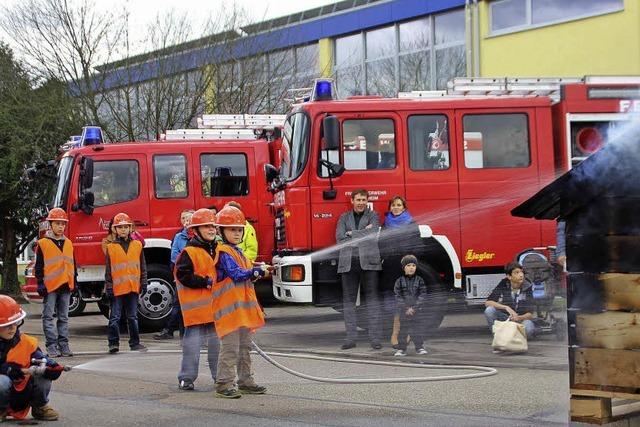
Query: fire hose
[39, 367]
[484, 371]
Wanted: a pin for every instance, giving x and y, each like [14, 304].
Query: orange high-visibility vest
[235, 304]
[125, 267]
[21, 355]
[196, 303]
[58, 264]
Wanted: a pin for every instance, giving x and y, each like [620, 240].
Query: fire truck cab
[154, 182]
[462, 159]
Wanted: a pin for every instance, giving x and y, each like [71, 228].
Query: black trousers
[367, 280]
[411, 325]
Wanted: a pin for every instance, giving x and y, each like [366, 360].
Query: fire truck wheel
[76, 305]
[155, 305]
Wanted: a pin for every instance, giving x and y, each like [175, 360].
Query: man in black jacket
[512, 299]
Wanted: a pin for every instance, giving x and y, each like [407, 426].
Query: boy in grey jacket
[411, 294]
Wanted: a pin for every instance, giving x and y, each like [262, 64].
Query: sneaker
[164, 334]
[376, 345]
[44, 413]
[52, 351]
[497, 351]
[65, 351]
[186, 385]
[254, 389]
[421, 351]
[139, 347]
[347, 345]
[114, 348]
[400, 352]
[230, 393]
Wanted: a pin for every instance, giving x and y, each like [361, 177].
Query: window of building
[510, 15]
[422, 54]
[114, 182]
[368, 144]
[224, 175]
[348, 69]
[415, 64]
[429, 142]
[170, 176]
[496, 141]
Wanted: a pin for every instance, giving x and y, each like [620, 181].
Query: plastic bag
[509, 336]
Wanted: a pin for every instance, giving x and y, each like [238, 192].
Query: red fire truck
[462, 159]
[153, 182]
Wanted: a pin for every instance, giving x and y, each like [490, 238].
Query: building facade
[383, 47]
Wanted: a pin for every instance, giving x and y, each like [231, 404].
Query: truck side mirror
[86, 172]
[270, 173]
[337, 169]
[331, 131]
[88, 200]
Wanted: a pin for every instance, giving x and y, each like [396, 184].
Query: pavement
[141, 388]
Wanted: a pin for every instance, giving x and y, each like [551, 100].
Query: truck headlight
[292, 273]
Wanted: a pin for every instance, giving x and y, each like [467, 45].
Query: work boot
[44, 413]
[230, 393]
[52, 351]
[347, 345]
[139, 347]
[114, 348]
[254, 389]
[186, 384]
[65, 351]
[164, 334]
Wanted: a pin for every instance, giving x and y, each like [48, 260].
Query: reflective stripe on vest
[125, 267]
[195, 303]
[58, 264]
[21, 355]
[235, 304]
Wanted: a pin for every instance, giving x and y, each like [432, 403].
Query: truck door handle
[140, 223]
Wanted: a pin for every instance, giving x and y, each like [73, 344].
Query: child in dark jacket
[411, 293]
[21, 388]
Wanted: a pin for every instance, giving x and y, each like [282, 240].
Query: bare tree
[177, 78]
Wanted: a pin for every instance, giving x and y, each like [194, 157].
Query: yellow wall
[600, 45]
[325, 48]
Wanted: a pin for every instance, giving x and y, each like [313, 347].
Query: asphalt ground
[141, 388]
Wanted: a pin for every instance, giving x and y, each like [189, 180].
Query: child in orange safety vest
[236, 311]
[55, 275]
[195, 275]
[125, 278]
[25, 372]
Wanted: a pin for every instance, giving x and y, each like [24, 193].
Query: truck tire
[76, 304]
[155, 305]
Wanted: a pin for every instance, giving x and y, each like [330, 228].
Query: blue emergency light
[323, 90]
[91, 135]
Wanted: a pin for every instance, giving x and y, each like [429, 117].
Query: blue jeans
[56, 302]
[492, 314]
[128, 303]
[193, 338]
[39, 395]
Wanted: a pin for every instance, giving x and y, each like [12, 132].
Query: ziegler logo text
[482, 256]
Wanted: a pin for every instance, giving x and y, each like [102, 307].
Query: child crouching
[20, 391]
[236, 311]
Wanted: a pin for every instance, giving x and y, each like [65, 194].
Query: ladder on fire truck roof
[227, 126]
[483, 86]
[469, 87]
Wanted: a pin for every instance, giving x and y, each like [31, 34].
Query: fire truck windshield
[62, 182]
[295, 146]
